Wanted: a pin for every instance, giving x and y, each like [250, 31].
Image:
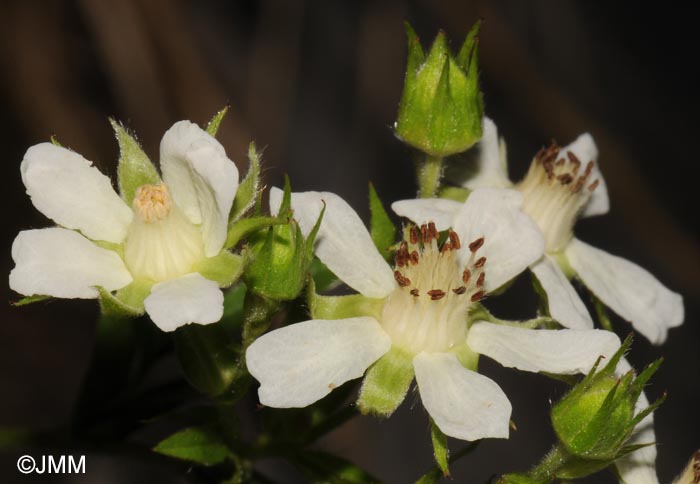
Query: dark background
[317, 83]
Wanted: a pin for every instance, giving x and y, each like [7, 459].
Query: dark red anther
[402, 280]
[415, 235]
[414, 292]
[436, 294]
[480, 262]
[480, 279]
[589, 169]
[447, 246]
[466, 275]
[414, 258]
[460, 290]
[424, 234]
[565, 179]
[454, 240]
[476, 245]
[593, 185]
[477, 296]
[433, 230]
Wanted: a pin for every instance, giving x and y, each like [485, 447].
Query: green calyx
[441, 106]
[281, 256]
[595, 419]
[386, 383]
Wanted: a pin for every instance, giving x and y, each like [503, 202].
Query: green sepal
[225, 268]
[214, 123]
[458, 194]
[111, 305]
[322, 275]
[382, 229]
[134, 169]
[466, 57]
[134, 294]
[341, 307]
[195, 444]
[248, 189]
[245, 226]
[386, 383]
[325, 468]
[31, 300]
[441, 452]
[208, 357]
[281, 256]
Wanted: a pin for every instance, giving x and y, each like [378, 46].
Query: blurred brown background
[317, 83]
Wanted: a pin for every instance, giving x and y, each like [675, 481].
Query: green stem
[429, 175]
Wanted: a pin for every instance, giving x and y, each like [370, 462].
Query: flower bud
[595, 419]
[281, 257]
[441, 107]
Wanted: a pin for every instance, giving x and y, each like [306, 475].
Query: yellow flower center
[428, 310]
[555, 190]
[161, 243]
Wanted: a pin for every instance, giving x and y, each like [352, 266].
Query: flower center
[428, 309]
[161, 243]
[555, 190]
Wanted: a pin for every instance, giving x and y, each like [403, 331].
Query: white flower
[423, 305]
[172, 231]
[561, 186]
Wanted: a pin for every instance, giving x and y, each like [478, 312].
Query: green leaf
[207, 355]
[341, 307]
[386, 383]
[195, 444]
[213, 126]
[134, 169]
[30, 300]
[440, 450]
[225, 268]
[382, 229]
[248, 189]
[324, 468]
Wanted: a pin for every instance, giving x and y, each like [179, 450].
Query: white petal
[464, 404]
[424, 210]
[65, 187]
[62, 263]
[586, 150]
[342, 243]
[627, 289]
[188, 299]
[301, 363]
[560, 351]
[639, 467]
[512, 241]
[491, 168]
[563, 301]
[202, 179]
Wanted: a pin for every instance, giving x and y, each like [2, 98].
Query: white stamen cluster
[428, 309]
[555, 190]
[161, 243]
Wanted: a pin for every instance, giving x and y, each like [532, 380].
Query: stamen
[593, 185]
[478, 296]
[565, 179]
[415, 258]
[476, 245]
[466, 275]
[454, 240]
[414, 234]
[402, 280]
[480, 262]
[433, 231]
[460, 290]
[414, 292]
[480, 279]
[436, 294]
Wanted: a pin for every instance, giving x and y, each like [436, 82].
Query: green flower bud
[441, 107]
[595, 419]
[281, 257]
